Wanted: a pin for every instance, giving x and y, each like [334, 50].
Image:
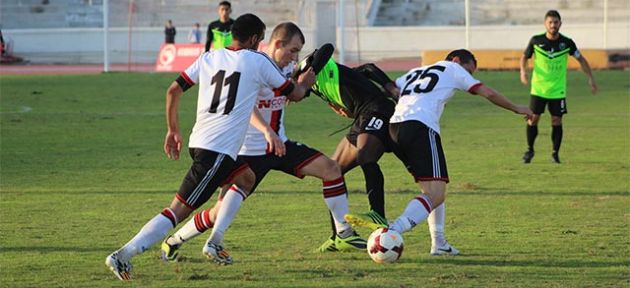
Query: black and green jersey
[549, 78]
[350, 89]
[219, 34]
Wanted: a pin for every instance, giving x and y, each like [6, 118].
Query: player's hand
[172, 145]
[594, 88]
[393, 90]
[524, 110]
[307, 79]
[524, 78]
[276, 145]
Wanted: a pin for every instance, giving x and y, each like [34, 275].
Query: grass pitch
[82, 169]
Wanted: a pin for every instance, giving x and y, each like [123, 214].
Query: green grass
[83, 170]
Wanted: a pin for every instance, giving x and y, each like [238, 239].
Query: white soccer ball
[385, 245]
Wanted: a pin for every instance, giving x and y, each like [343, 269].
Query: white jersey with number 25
[425, 90]
[229, 81]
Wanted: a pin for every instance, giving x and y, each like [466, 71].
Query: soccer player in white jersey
[282, 154]
[415, 131]
[229, 80]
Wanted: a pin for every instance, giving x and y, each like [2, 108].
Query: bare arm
[275, 143]
[524, 74]
[173, 139]
[587, 70]
[304, 82]
[377, 75]
[497, 99]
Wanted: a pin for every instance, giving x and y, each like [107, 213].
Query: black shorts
[372, 122]
[557, 107]
[297, 156]
[207, 172]
[420, 149]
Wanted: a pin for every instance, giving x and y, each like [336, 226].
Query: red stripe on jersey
[473, 89]
[282, 87]
[274, 122]
[188, 80]
[299, 167]
[425, 203]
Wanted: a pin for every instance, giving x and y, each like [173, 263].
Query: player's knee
[331, 168]
[365, 157]
[245, 181]
[534, 120]
[556, 121]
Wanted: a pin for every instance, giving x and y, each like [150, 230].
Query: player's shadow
[53, 249]
[462, 260]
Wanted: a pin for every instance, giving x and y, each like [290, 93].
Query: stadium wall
[84, 45]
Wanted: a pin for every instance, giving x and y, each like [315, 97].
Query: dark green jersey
[219, 34]
[549, 77]
[327, 84]
[352, 89]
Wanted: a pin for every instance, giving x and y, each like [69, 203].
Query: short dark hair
[464, 55]
[246, 26]
[553, 13]
[286, 31]
[225, 3]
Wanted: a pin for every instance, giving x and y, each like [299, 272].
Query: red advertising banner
[177, 57]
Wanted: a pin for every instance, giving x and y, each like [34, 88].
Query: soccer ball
[385, 245]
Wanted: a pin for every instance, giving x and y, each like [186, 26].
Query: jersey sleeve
[271, 75]
[573, 50]
[463, 80]
[192, 72]
[529, 50]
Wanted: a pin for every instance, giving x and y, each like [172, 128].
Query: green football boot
[350, 243]
[169, 252]
[371, 220]
[328, 246]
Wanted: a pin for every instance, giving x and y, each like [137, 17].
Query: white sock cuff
[168, 213]
[426, 202]
[238, 190]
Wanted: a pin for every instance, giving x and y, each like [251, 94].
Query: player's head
[248, 30]
[224, 9]
[553, 22]
[463, 57]
[286, 43]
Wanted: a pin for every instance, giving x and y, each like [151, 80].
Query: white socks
[436, 222]
[417, 210]
[229, 207]
[155, 230]
[336, 198]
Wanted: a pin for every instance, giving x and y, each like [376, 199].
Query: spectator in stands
[219, 33]
[169, 32]
[3, 50]
[549, 80]
[195, 34]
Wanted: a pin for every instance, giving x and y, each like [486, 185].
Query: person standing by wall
[549, 80]
[169, 32]
[195, 34]
[219, 33]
